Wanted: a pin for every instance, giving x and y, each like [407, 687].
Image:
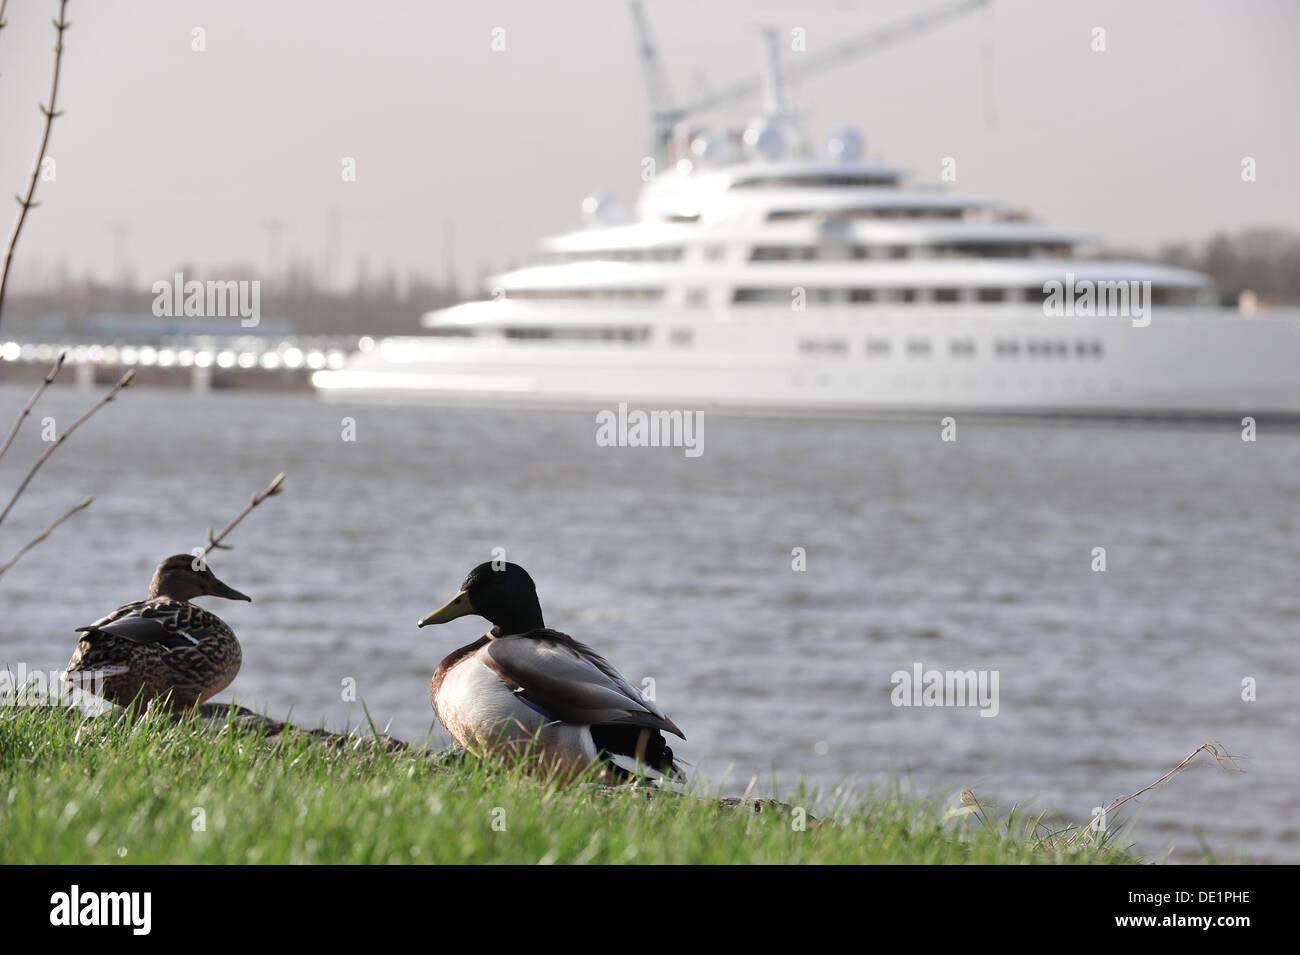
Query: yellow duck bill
[458, 606]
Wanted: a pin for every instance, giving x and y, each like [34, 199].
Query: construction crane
[664, 116]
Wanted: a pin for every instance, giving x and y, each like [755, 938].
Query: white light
[203, 359]
[365, 343]
[130, 355]
[226, 359]
[270, 360]
[293, 357]
[315, 360]
[247, 359]
[148, 355]
[11, 351]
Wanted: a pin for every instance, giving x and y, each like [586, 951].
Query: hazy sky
[188, 155]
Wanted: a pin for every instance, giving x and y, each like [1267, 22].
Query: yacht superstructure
[754, 276]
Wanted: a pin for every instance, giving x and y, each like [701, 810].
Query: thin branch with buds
[214, 542]
[123, 382]
[36, 395]
[28, 202]
[44, 534]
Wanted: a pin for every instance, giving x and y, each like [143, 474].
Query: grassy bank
[198, 791]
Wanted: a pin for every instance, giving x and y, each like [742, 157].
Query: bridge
[199, 363]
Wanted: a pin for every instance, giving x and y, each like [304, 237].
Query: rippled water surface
[968, 555]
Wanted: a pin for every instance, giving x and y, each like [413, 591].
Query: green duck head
[502, 593]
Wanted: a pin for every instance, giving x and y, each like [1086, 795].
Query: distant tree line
[1264, 260]
[381, 305]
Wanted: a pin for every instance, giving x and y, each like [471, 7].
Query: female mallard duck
[525, 688]
[162, 647]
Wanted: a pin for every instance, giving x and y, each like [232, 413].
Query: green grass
[107, 790]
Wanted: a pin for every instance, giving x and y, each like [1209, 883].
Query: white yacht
[755, 276]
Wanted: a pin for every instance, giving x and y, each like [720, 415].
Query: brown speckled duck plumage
[162, 647]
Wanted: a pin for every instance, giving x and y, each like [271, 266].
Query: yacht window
[714, 253]
[918, 348]
[947, 295]
[1006, 348]
[682, 336]
[871, 212]
[824, 346]
[743, 295]
[878, 347]
[697, 297]
[782, 253]
[962, 348]
[620, 333]
[991, 295]
[1048, 349]
[788, 182]
[862, 295]
[572, 294]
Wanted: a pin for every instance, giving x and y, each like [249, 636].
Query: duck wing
[167, 624]
[571, 682]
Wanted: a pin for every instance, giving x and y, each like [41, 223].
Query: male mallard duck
[161, 645]
[524, 686]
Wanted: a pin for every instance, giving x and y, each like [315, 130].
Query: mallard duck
[523, 687]
[162, 647]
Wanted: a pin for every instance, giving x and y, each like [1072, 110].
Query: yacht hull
[1188, 363]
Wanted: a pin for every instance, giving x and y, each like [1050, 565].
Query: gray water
[975, 554]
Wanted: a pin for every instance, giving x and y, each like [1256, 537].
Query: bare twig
[3, 22]
[43, 534]
[123, 382]
[40, 390]
[28, 202]
[214, 542]
[1217, 750]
